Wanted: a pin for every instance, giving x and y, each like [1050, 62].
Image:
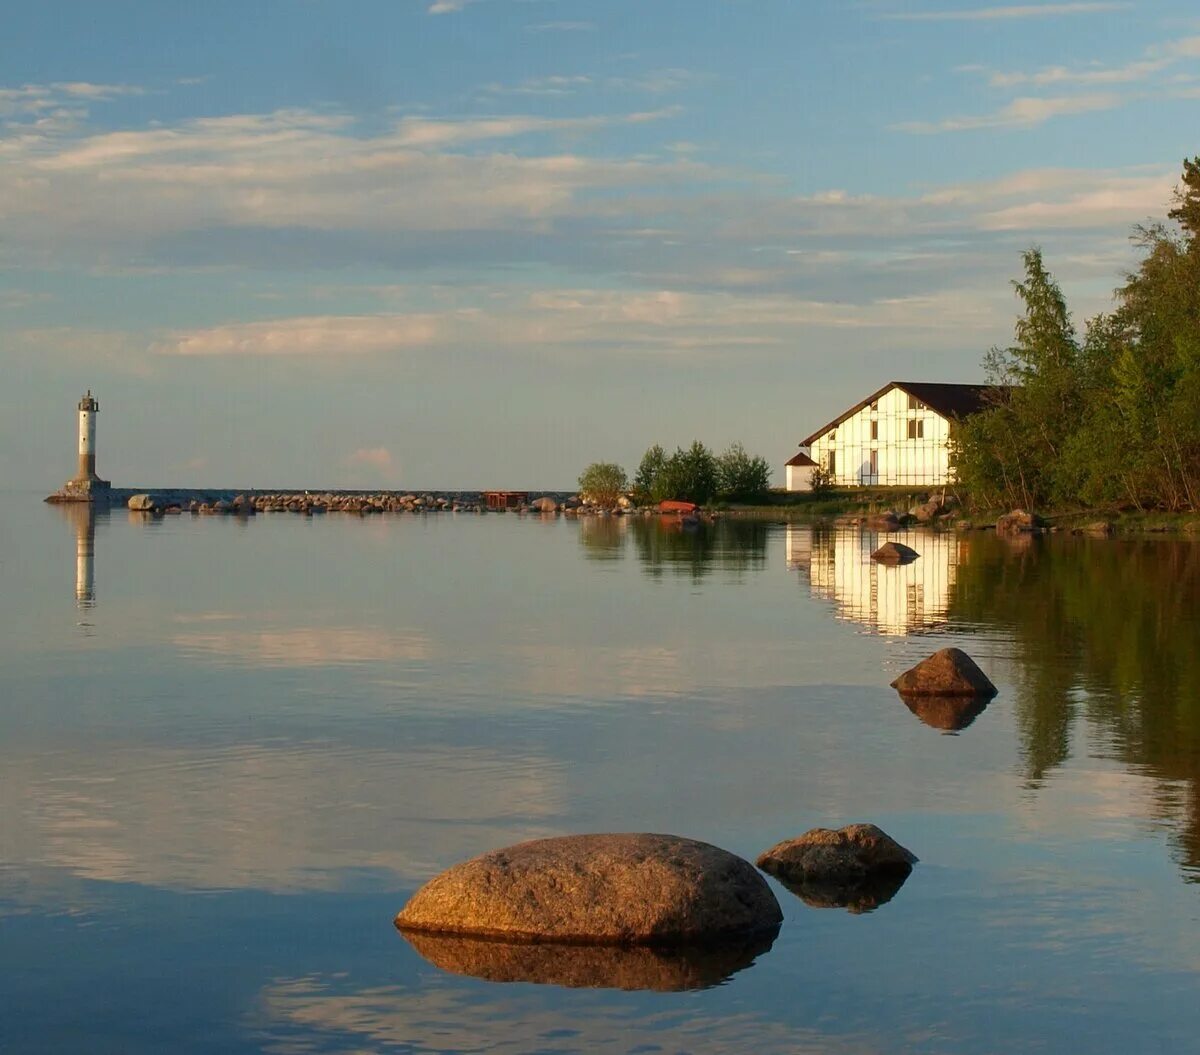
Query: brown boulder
[663, 969]
[1018, 522]
[895, 553]
[883, 522]
[828, 855]
[948, 672]
[626, 889]
[546, 504]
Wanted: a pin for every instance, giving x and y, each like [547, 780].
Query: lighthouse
[88, 408]
[86, 486]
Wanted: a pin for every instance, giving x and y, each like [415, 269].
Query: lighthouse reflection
[82, 518]
[890, 599]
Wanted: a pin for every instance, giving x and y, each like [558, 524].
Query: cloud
[1153, 61]
[373, 457]
[1005, 13]
[1024, 112]
[561, 27]
[321, 335]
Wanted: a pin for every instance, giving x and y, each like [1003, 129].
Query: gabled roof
[800, 459]
[951, 401]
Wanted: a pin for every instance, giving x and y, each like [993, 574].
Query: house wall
[899, 458]
[799, 477]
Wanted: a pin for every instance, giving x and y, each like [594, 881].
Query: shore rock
[948, 672]
[883, 522]
[663, 969]
[1098, 529]
[830, 855]
[1018, 522]
[895, 553]
[144, 503]
[638, 888]
[545, 505]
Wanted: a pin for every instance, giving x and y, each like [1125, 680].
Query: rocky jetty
[620, 889]
[948, 672]
[654, 967]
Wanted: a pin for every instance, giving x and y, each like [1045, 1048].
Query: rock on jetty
[626, 889]
[660, 968]
[948, 672]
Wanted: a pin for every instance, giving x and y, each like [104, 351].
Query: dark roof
[801, 459]
[951, 401]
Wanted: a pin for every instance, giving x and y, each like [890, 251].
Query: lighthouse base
[84, 489]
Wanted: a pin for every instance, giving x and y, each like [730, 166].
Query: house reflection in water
[905, 599]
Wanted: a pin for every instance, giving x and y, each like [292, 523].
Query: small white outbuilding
[799, 472]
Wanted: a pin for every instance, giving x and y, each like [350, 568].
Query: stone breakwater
[210, 502]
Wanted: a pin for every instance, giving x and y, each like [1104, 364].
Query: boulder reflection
[950, 714]
[858, 896]
[661, 969]
[891, 599]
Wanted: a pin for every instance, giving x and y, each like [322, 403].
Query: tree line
[1109, 417]
[694, 474]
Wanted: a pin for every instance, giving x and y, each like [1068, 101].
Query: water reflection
[891, 599]
[950, 714]
[663, 969]
[1105, 631]
[82, 518]
[858, 895]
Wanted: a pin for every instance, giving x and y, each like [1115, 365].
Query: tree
[740, 476]
[603, 483]
[649, 470]
[691, 475]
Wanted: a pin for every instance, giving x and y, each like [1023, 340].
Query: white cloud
[562, 27]
[373, 457]
[1024, 112]
[1008, 12]
[321, 336]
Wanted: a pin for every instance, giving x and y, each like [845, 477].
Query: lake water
[230, 751]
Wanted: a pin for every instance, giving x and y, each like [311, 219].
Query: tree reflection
[672, 544]
[1106, 630]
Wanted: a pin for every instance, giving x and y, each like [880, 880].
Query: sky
[482, 243]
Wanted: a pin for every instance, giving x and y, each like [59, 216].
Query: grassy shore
[800, 506]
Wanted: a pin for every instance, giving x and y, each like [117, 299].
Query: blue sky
[467, 243]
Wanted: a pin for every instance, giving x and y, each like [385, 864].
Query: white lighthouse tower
[86, 486]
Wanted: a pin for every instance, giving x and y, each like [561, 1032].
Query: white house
[799, 472]
[896, 436]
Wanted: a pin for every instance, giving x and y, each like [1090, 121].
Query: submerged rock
[826, 855]
[598, 889]
[948, 672]
[659, 968]
[895, 553]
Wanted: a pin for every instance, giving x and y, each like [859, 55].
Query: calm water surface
[229, 752]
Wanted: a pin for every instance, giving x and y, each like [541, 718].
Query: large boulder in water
[895, 553]
[826, 855]
[949, 672]
[545, 504]
[144, 503]
[655, 967]
[626, 889]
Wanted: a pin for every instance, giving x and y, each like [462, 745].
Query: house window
[832, 462]
[916, 429]
[914, 403]
[874, 463]
[875, 404]
[874, 430]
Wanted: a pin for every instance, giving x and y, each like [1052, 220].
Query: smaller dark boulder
[826, 855]
[883, 522]
[948, 672]
[895, 553]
